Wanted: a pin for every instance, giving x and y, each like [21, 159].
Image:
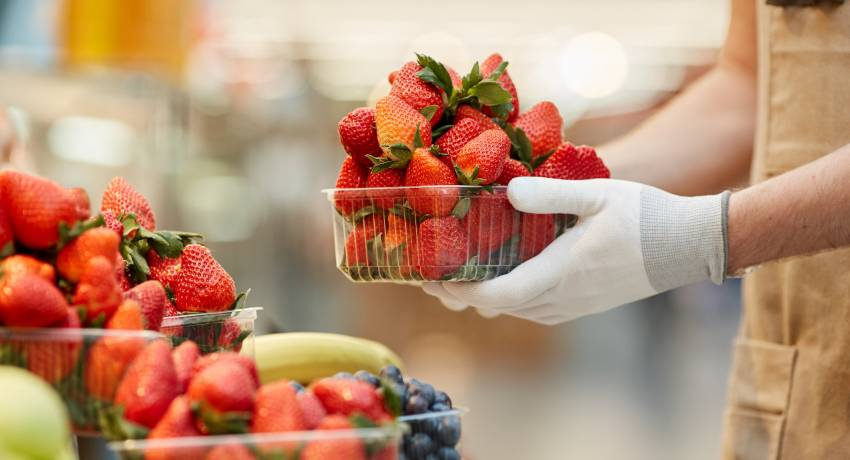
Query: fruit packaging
[85, 366]
[230, 330]
[435, 233]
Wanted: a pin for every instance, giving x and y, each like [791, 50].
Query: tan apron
[789, 395]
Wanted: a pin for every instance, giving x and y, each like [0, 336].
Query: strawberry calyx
[470, 178]
[392, 400]
[216, 422]
[115, 427]
[521, 149]
[68, 233]
[475, 90]
[399, 154]
[429, 111]
[137, 241]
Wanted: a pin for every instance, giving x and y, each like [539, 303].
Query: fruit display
[421, 194]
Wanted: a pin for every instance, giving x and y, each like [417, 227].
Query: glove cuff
[683, 239]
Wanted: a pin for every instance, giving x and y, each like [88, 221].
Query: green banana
[307, 356]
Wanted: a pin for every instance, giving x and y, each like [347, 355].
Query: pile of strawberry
[179, 393]
[434, 131]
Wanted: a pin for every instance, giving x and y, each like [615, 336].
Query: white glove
[631, 241]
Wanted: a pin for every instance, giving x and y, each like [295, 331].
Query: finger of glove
[449, 301]
[550, 313]
[487, 313]
[540, 195]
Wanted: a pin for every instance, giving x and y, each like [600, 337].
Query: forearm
[800, 212]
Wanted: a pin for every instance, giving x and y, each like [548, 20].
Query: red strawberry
[544, 127]
[351, 175]
[98, 291]
[36, 207]
[466, 111]
[571, 163]
[54, 359]
[163, 269]
[397, 122]
[312, 410]
[457, 136]
[185, 355]
[391, 76]
[385, 199]
[176, 423]
[350, 397]
[513, 168]
[426, 169]
[110, 221]
[276, 409]
[419, 94]
[128, 316]
[30, 301]
[228, 338]
[152, 299]
[443, 247]
[346, 447]
[121, 198]
[230, 452]
[18, 265]
[358, 135]
[487, 67]
[536, 232]
[73, 259]
[208, 360]
[490, 224]
[358, 250]
[400, 244]
[174, 329]
[149, 385]
[81, 202]
[225, 393]
[482, 159]
[106, 362]
[7, 235]
[202, 285]
[456, 80]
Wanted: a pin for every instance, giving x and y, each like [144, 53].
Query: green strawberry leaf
[435, 150]
[461, 208]
[471, 179]
[167, 244]
[502, 111]
[361, 422]
[490, 92]
[240, 300]
[541, 159]
[392, 400]
[7, 250]
[417, 139]
[429, 111]
[362, 213]
[115, 427]
[471, 79]
[99, 321]
[376, 160]
[497, 73]
[68, 233]
[437, 132]
[222, 422]
[435, 73]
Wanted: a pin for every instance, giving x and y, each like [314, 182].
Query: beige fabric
[789, 394]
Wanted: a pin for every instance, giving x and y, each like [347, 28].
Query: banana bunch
[307, 356]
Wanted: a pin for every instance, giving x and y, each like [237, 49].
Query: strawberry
[351, 175]
[457, 136]
[490, 224]
[350, 397]
[152, 299]
[18, 265]
[121, 198]
[536, 232]
[7, 235]
[177, 422]
[312, 411]
[106, 362]
[544, 127]
[82, 206]
[149, 385]
[208, 360]
[36, 207]
[110, 221]
[417, 93]
[73, 259]
[385, 199]
[391, 76]
[443, 247]
[513, 168]
[400, 244]
[54, 359]
[98, 291]
[426, 169]
[397, 123]
[202, 285]
[185, 355]
[175, 329]
[229, 336]
[276, 409]
[230, 452]
[482, 160]
[571, 163]
[487, 67]
[345, 447]
[163, 269]
[457, 83]
[358, 135]
[359, 250]
[31, 301]
[128, 316]
[484, 121]
[224, 393]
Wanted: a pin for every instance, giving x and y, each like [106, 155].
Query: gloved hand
[631, 241]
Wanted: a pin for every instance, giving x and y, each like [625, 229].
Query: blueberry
[298, 387]
[368, 377]
[416, 404]
[401, 456]
[448, 431]
[430, 426]
[439, 407]
[447, 453]
[393, 373]
[416, 387]
[431, 457]
[344, 375]
[420, 446]
[442, 398]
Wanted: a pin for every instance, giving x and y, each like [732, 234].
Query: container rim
[455, 411]
[194, 318]
[48, 334]
[330, 191]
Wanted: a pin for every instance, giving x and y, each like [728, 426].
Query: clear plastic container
[439, 430]
[231, 330]
[371, 444]
[84, 365]
[435, 233]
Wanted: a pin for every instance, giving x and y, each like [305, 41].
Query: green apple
[33, 420]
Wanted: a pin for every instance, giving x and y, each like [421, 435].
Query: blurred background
[224, 113]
